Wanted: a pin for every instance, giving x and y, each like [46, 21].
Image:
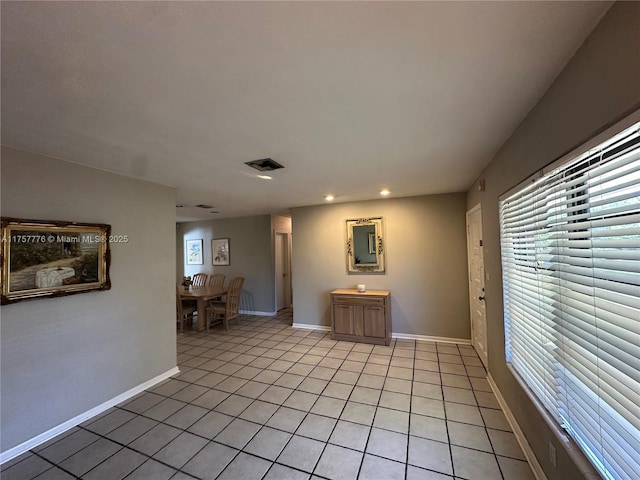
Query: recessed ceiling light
[328, 198]
[384, 192]
[265, 177]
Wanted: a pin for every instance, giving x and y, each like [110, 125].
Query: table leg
[202, 314]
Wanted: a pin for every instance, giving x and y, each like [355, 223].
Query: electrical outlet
[552, 455]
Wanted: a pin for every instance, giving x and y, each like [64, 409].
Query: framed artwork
[53, 258]
[220, 251]
[194, 252]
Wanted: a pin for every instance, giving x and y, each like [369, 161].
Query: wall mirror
[365, 245]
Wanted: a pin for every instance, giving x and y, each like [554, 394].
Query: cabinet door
[343, 319]
[374, 321]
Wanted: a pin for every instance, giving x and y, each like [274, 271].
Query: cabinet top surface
[353, 291]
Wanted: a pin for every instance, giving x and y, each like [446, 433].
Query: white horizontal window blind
[571, 278]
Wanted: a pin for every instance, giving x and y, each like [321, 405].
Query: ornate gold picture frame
[365, 245]
[53, 258]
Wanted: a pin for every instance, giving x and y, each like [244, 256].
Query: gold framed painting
[53, 258]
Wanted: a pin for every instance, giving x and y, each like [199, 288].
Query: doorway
[475, 259]
[282, 245]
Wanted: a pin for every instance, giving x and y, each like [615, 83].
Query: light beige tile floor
[267, 401]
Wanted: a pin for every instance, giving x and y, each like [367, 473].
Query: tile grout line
[337, 418]
[54, 465]
[382, 390]
[413, 376]
[305, 416]
[236, 343]
[127, 446]
[273, 462]
[446, 421]
[486, 430]
[179, 470]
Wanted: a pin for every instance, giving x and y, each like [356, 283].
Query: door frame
[286, 239]
[484, 355]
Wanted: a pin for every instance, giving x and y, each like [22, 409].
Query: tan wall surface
[425, 256]
[64, 356]
[597, 87]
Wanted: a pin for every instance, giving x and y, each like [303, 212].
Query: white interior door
[283, 269]
[475, 259]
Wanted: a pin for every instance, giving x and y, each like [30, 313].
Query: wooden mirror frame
[353, 266]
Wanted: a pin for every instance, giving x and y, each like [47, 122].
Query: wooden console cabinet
[361, 316]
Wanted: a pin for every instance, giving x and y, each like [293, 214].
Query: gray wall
[597, 87]
[62, 357]
[251, 256]
[425, 256]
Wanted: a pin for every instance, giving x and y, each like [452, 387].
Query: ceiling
[351, 97]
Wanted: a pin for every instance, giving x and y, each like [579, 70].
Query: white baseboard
[308, 326]
[429, 338]
[63, 427]
[517, 431]
[254, 312]
[400, 336]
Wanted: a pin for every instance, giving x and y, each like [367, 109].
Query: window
[570, 246]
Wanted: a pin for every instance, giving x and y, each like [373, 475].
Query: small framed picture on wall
[194, 252]
[220, 251]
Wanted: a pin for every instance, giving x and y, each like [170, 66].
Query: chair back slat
[179, 311]
[200, 279]
[233, 297]
[182, 314]
[230, 309]
[216, 280]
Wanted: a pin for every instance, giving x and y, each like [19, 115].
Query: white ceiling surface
[349, 97]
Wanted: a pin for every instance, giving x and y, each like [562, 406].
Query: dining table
[202, 295]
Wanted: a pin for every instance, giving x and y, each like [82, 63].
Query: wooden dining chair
[183, 312]
[229, 309]
[216, 280]
[200, 279]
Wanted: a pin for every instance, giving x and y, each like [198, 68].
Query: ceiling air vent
[264, 165]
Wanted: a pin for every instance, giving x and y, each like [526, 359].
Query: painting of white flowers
[220, 251]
